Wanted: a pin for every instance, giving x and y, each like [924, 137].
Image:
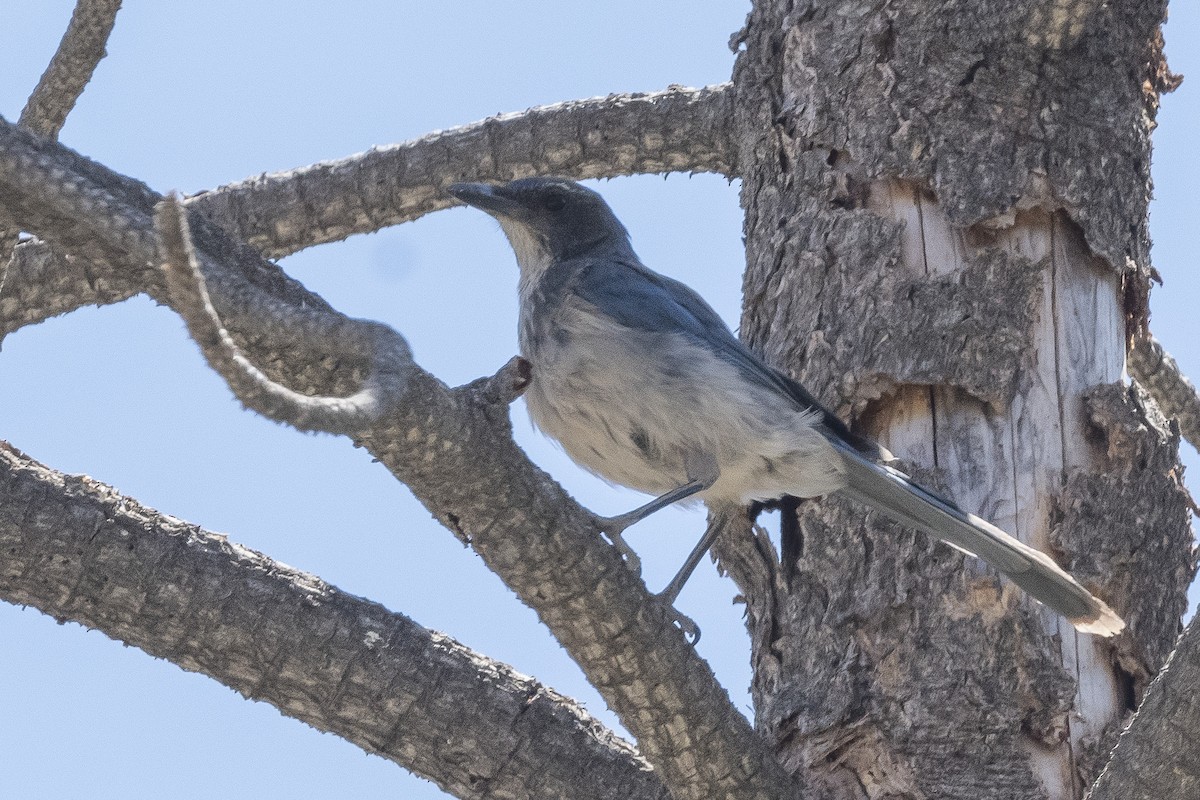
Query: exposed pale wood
[1008, 464]
[1091, 351]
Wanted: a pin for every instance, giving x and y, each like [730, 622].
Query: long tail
[896, 495]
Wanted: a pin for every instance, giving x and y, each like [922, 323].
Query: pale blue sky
[196, 95]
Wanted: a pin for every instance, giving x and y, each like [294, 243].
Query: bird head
[547, 219]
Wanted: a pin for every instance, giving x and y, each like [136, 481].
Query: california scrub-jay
[643, 384]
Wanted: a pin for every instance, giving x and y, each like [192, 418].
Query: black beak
[491, 199]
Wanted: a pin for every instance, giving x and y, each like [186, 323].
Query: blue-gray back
[638, 298]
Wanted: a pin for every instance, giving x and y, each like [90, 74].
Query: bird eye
[554, 201]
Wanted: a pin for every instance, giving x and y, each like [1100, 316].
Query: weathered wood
[1156, 758]
[1009, 463]
[910, 172]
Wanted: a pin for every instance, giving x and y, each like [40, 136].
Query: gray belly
[636, 409]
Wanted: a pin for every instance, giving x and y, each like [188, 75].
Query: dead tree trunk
[946, 240]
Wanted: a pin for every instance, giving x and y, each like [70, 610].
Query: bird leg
[613, 527]
[669, 594]
[703, 466]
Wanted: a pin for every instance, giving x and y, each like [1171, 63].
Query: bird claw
[613, 527]
[684, 623]
[631, 559]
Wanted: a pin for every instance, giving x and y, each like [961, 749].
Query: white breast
[631, 406]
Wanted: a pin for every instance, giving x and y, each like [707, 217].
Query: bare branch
[674, 130]
[76, 549]
[1155, 370]
[455, 450]
[1156, 757]
[684, 129]
[79, 52]
[39, 283]
[386, 351]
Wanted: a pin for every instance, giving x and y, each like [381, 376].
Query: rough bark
[77, 550]
[679, 129]
[1155, 370]
[40, 283]
[81, 49]
[455, 450]
[1155, 758]
[589, 138]
[914, 175]
[676, 129]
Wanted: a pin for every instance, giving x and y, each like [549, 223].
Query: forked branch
[386, 352]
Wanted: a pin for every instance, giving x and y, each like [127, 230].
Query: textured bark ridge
[903, 685]
[987, 103]
[969, 330]
[946, 236]
[1138, 500]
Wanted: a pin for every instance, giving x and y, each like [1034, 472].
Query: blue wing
[641, 299]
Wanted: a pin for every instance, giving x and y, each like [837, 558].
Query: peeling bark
[1133, 510]
[913, 176]
[968, 329]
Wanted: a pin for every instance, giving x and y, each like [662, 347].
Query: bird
[643, 384]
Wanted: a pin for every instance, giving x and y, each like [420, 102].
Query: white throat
[533, 256]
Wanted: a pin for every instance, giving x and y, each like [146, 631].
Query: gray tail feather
[895, 494]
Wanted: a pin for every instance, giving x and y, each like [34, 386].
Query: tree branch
[1155, 758]
[76, 549]
[40, 282]
[71, 68]
[455, 450]
[674, 130]
[1158, 373]
[685, 130]
[385, 350]
[62, 83]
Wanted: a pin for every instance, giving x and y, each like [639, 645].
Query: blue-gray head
[547, 219]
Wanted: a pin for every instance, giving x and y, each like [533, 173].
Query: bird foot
[613, 527]
[682, 621]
